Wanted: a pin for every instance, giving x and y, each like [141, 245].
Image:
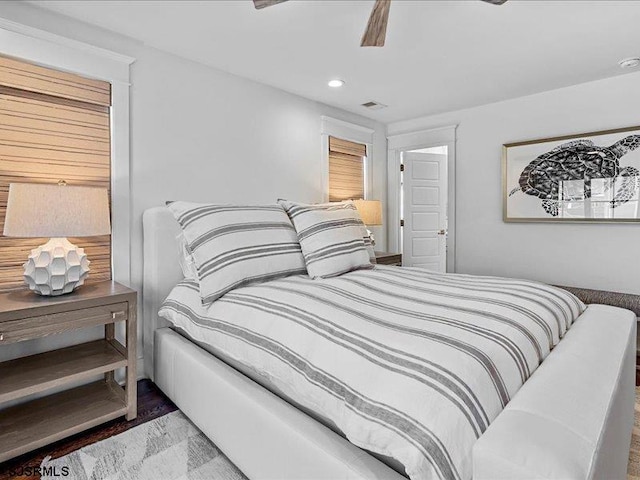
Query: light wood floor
[633, 471]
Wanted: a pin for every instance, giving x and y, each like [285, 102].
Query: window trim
[333, 127]
[54, 51]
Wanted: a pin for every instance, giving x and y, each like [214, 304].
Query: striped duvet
[407, 363]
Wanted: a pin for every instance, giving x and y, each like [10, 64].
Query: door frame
[396, 144]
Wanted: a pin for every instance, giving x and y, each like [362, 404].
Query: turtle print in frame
[588, 177]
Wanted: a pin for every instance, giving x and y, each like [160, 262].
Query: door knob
[442, 232]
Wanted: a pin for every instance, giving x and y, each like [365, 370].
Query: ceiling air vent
[374, 105]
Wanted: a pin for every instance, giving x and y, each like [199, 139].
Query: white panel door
[425, 211]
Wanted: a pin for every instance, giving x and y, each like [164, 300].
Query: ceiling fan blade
[376, 31]
[495, 2]
[260, 4]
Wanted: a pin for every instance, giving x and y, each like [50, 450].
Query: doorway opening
[424, 207]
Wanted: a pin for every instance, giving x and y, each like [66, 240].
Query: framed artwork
[592, 177]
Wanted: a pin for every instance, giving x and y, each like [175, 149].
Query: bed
[556, 426]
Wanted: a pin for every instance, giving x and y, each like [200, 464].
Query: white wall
[204, 135]
[601, 256]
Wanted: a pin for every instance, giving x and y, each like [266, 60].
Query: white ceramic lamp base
[56, 268]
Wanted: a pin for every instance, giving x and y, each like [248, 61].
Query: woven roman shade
[53, 126]
[34, 78]
[346, 169]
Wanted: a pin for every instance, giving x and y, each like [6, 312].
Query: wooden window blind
[33, 78]
[346, 169]
[53, 126]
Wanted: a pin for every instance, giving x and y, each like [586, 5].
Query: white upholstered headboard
[161, 273]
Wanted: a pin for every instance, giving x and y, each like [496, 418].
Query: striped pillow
[331, 237]
[235, 245]
[187, 264]
[333, 205]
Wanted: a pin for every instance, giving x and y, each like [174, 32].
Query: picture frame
[586, 178]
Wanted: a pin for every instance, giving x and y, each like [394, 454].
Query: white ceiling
[439, 56]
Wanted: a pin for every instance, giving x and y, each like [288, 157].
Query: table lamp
[56, 211]
[371, 213]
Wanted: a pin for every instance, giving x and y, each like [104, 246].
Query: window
[346, 169]
[53, 126]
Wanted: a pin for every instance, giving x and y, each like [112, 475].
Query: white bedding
[407, 363]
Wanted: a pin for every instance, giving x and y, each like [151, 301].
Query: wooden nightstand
[25, 316]
[386, 258]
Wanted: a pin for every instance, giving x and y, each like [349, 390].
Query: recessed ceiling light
[629, 62]
[336, 83]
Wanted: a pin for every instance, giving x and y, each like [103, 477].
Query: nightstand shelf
[25, 316]
[37, 373]
[37, 423]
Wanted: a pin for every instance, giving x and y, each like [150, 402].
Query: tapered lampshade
[370, 211]
[45, 210]
[57, 211]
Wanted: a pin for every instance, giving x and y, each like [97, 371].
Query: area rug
[167, 448]
[633, 469]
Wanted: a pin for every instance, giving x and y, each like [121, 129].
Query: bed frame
[571, 420]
